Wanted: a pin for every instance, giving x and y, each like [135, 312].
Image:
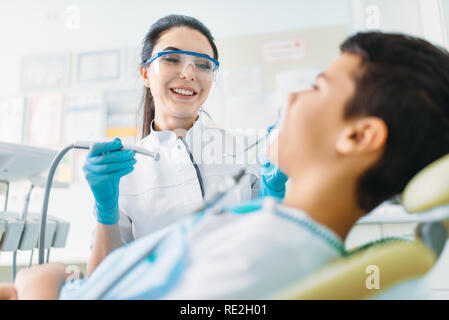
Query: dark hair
[148, 44]
[404, 81]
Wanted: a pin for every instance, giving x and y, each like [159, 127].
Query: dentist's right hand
[105, 165]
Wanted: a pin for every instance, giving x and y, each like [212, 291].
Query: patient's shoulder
[281, 225]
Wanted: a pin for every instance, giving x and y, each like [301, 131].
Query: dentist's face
[315, 118]
[173, 94]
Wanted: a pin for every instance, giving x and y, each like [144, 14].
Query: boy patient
[375, 117]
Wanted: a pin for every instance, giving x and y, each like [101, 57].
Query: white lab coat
[253, 256]
[159, 193]
[250, 255]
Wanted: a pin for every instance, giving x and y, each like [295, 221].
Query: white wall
[444, 5]
[387, 15]
[30, 27]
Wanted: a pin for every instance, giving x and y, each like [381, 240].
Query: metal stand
[23, 218]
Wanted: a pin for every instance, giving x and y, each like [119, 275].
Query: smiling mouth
[183, 92]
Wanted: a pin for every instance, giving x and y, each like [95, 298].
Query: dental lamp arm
[48, 183]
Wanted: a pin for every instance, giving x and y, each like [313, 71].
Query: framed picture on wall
[122, 115]
[12, 119]
[99, 66]
[43, 122]
[45, 72]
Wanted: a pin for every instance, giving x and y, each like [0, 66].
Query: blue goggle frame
[157, 55]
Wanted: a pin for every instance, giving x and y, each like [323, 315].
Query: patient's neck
[328, 199]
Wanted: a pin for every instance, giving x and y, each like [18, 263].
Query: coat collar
[168, 137]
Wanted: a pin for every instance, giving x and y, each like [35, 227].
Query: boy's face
[314, 119]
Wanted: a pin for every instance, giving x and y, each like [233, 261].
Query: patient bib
[150, 278]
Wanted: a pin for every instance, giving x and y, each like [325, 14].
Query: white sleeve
[254, 175]
[92, 238]
[126, 228]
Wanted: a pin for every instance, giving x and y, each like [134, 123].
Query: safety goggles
[175, 63]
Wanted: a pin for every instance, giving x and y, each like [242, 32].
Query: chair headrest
[429, 188]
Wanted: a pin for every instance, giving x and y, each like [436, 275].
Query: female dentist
[136, 195]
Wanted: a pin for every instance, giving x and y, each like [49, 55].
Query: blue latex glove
[272, 180]
[104, 166]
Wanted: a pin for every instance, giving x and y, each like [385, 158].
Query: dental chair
[390, 268]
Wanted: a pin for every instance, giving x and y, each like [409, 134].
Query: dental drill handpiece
[87, 144]
[77, 145]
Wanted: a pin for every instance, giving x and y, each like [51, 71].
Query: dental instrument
[235, 155]
[87, 144]
[131, 262]
[49, 181]
[20, 162]
[100, 292]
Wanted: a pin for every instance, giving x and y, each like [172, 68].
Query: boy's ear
[362, 136]
[144, 74]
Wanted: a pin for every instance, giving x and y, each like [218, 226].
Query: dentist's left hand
[104, 166]
[272, 180]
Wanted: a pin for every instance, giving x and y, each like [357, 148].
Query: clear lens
[176, 64]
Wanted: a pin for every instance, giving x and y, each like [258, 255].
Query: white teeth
[183, 92]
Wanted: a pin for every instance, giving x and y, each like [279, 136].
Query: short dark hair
[404, 81]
